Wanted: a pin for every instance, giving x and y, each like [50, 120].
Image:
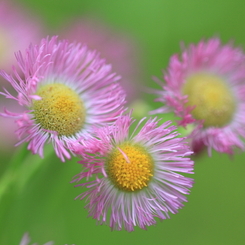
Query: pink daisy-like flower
[134, 177]
[205, 87]
[118, 48]
[66, 89]
[17, 30]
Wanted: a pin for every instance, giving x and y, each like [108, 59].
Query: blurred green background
[215, 213]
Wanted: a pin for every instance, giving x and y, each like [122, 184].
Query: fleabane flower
[134, 177]
[15, 22]
[66, 89]
[205, 87]
[118, 48]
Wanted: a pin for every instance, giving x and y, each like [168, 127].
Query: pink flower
[134, 176]
[17, 30]
[118, 48]
[65, 89]
[205, 87]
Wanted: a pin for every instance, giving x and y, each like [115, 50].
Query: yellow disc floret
[213, 99]
[60, 109]
[129, 167]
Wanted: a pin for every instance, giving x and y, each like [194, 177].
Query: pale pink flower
[26, 241]
[65, 89]
[17, 29]
[205, 87]
[118, 48]
[135, 177]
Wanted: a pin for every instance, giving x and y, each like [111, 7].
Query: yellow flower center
[60, 109]
[130, 167]
[213, 99]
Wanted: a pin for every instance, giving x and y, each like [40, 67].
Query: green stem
[22, 166]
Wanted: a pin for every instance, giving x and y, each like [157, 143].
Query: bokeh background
[41, 199]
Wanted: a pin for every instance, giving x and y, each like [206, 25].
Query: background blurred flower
[117, 47]
[66, 89]
[134, 177]
[206, 86]
[17, 29]
[26, 240]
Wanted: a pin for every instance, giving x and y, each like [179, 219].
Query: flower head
[118, 48]
[17, 30]
[66, 89]
[134, 177]
[205, 87]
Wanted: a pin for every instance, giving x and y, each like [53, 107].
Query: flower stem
[21, 167]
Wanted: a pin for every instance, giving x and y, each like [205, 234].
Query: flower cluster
[132, 173]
